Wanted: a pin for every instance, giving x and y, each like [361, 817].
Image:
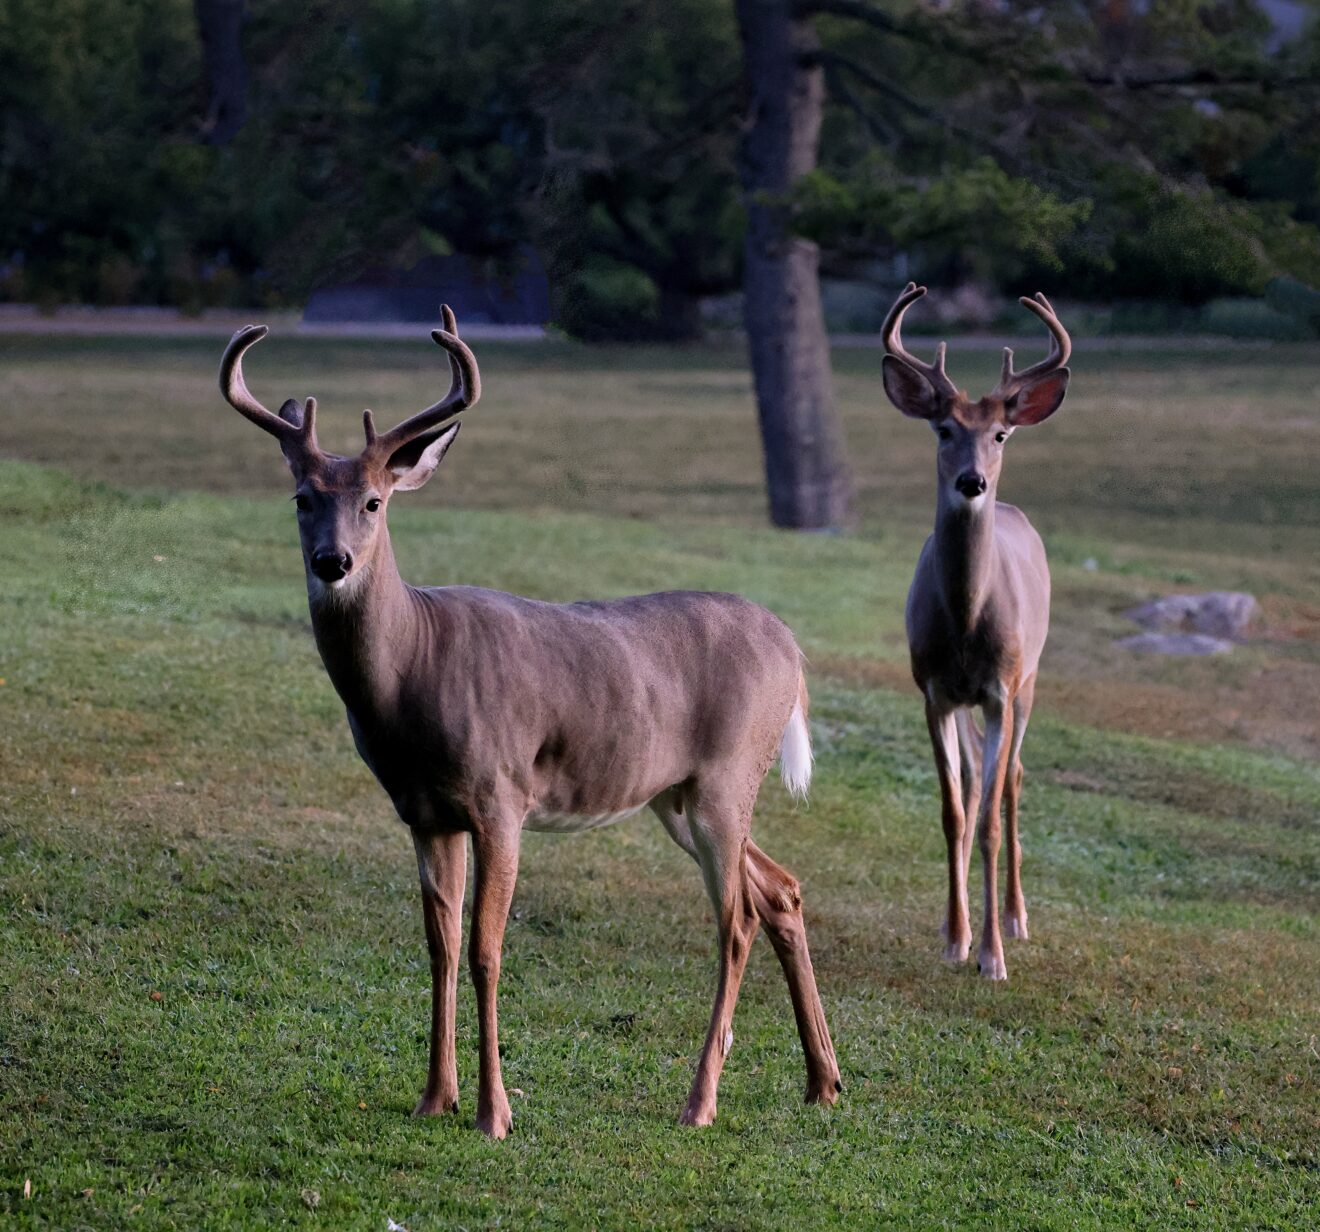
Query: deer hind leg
[442, 865]
[1015, 906]
[719, 837]
[496, 851]
[778, 901]
[956, 929]
[998, 714]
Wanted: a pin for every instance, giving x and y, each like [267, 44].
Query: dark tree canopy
[1109, 149]
[160, 151]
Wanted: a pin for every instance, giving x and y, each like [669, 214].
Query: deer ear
[1038, 399]
[909, 390]
[414, 463]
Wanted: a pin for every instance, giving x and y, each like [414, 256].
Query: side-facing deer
[483, 714]
[978, 612]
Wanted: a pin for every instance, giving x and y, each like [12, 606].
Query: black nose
[970, 484]
[331, 566]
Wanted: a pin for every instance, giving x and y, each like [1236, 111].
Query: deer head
[342, 501]
[972, 434]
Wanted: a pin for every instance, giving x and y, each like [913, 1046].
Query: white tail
[795, 754]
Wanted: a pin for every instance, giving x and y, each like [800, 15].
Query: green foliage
[991, 223]
[643, 176]
[1166, 150]
[605, 299]
[90, 100]
[378, 133]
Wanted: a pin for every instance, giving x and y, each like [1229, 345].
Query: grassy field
[213, 984]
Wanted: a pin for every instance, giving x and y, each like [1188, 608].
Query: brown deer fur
[483, 714]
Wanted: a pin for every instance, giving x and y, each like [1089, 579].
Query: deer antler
[1060, 348]
[301, 432]
[893, 341]
[464, 390]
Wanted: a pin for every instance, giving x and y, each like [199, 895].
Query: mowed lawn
[214, 991]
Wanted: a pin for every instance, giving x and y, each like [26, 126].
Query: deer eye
[944, 433]
[1001, 437]
[373, 504]
[303, 502]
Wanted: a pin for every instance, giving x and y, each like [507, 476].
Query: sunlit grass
[182, 814]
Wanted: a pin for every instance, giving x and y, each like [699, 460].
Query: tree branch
[944, 39]
[1198, 77]
[877, 128]
[1018, 163]
[833, 59]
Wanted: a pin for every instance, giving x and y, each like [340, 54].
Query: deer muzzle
[331, 565]
[970, 484]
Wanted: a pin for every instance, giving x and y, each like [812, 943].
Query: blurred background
[657, 170]
[578, 163]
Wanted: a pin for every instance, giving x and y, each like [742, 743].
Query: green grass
[182, 813]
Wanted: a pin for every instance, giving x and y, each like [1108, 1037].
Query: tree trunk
[220, 25]
[804, 467]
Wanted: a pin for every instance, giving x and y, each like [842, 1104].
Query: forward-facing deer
[482, 714]
[978, 612]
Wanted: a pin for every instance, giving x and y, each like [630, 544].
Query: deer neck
[367, 632]
[965, 557]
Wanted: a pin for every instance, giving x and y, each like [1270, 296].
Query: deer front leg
[496, 854]
[998, 715]
[957, 928]
[442, 866]
[1015, 905]
[969, 741]
[723, 859]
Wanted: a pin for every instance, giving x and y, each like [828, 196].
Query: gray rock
[1175, 644]
[1218, 614]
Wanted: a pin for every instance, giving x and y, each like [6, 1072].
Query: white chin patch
[336, 592]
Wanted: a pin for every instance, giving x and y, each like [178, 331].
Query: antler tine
[1060, 346]
[464, 390]
[237, 394]
[891, 333]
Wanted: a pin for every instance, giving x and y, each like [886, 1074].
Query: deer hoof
[697, 1114]
[825, 1091]
[495, 1122]
[957, 951]
[991, 967]
[1016, 926]
[435, 1105]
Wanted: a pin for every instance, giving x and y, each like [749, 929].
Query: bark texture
[804, 460]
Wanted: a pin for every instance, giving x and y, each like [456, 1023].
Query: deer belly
[574, 823]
